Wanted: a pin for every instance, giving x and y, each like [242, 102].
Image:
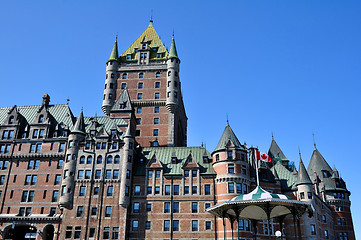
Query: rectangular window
[38, 147]
[156, 96]
[156, 120]
[139, 110]
[167, 190]
[32, 148]
[110, 190]
[194, 173]
[98, 173]
[34, 178]
[208, 225]
[135, 225]
[115, 174]
[166, 207]
[176, 190]
[87, 174]
[166, 225]
[194, 207]
[239, 188]
[194, 225]
[115, 233]
[230, 187]
[94, 211]
[149, 190]
[106, 233]
[27, 180]
[35, 133]
[194, 189]
[157, 84]
[79, 211]
[156, 109]
[175, 225]
[140, 96]
[230, 168]
[55, 196]
[96, 190]
[137, 190]
[157, 173]
[136, 207]
[156, 190]
[82, 191]
[140, 85]
[207, 205]
[108, 211]
[57, 179]
[176, 207]
[186, 173]
[186, 190]
[108, 174]
[149, 207]
[155, 132]
[2, 179]
[80, 174]
[313, 229]
[60, 164]
[147, 225]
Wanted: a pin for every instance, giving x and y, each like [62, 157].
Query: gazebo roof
[260, 204]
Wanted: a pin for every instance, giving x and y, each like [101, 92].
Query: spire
[128, 133]
[173, 49]
[114, 55]
[228, 136]
[275, 151]
[303, 177]
[79, 126]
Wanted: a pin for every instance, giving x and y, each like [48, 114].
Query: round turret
[173, 84]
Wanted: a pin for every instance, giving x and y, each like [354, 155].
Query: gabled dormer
[154, 162]
[174, 159]
[190, 162]
[102, 133]
[123, 105]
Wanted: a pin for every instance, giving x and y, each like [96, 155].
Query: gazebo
[260, 205]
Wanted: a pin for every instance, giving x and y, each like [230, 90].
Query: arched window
[169, 73]
[106, 76]
[89, 160]
[11, 119]
[157, 75]
[41, 119]
[124, 76]
[116, 159]
[82, 160]
[99, 159]
[141, 75]
[109, 159]
[112, 76]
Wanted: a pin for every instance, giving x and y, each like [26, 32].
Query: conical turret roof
[303, 177]
[79, 126]
[129, 133]
[275, 151]
[228, 136]
[114, 54]
[173, 50]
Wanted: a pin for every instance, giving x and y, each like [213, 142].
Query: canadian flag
[262, 156]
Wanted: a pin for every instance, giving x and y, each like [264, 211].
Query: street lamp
[278, 235]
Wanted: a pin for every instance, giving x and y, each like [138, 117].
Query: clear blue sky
[287, 67]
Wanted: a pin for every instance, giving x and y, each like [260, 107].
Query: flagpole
[256, 163]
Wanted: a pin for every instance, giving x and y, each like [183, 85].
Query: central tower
[149, 73]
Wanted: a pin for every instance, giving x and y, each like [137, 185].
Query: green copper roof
[164, 155]
[114, 55]
[152, 37]
[287, 178]
[228, 135]
[60, 112]
[173, 50]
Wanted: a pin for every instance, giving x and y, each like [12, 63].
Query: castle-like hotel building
[130, 175]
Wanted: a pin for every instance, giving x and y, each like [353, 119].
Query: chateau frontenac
[129, 173]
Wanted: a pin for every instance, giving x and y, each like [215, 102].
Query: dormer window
[129, 56]
[159, 55]
[41, 119]
[92, 132]
[11, 120]
[154, 49]
[155, 143]
[205, 159]
[144, 46]
[325, 174]
[174, 160]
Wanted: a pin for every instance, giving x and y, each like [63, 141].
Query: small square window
[140, 85]
[156, 96]
[156, 109]
[123, 86]
[155, 132]
[139, 110]
[157, 84]
[140, 96]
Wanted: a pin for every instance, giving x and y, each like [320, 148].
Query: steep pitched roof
[173, 50]
[227, 137]
[114, 54]
[303, 177]
[275, 151]
[155, 43]
[164, 155]
[79, 125]
[123, 102]
[319, 165]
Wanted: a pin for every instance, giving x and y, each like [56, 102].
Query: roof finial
[272, 136]
[299, 152]
[116, 37]
[173, 33]
[202, 143]
[227, 119]
[151, 15]
[314, 141]
[67, 101]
